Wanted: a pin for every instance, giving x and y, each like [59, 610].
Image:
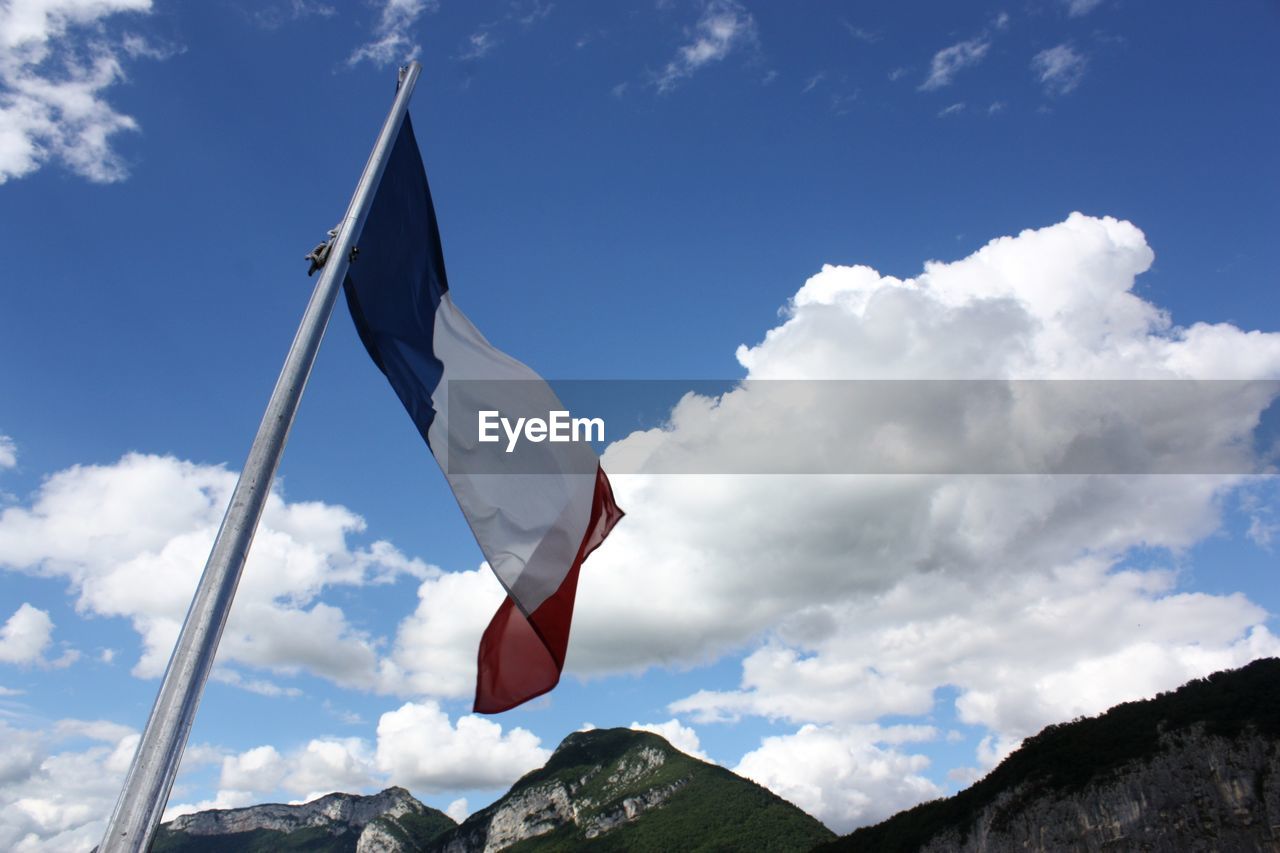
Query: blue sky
[625, 191]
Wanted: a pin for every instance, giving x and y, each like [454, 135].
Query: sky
[681, 190]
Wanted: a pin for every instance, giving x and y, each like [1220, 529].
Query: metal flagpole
[146, 787]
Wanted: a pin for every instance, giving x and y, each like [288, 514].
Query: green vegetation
[417, 829]
[1065, 758]
[707, 809]
[311, 840]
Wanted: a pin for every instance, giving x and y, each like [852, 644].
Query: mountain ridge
[1196, 768]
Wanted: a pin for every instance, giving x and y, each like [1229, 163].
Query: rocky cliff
[610, 789]
[1197, 769]
[618, 789]
[388, 822]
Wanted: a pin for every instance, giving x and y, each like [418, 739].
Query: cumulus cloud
[845, 778]
[458, 810]
[682, 737]
[130, 539]
[1059, 69]
[393, 34]
[8, 452]
[1022, 650]
[27, 635]
[434, 653]
[863, 595]
[951, 60]
[420, 749]
[726, 558]
[57, 59]
[320, 766]
[724, 26]
[57, 786]
[417, 746]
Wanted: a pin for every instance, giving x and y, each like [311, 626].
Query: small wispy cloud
[996, 107]
[1076, 8]
[392, 35]
[529, 12]
[860, 34]
[951, 60]
[1059, 69]
[479, 44]
[520, 15]
[951, 110]
[619, 90]
[271, 16]
[8, 452]
[723, 27]
[812, 82]
[842, 103]
[898, 73]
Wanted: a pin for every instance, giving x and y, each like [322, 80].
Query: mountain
[601, 790]
[389, 822]
[625, 790]
[1197, 769]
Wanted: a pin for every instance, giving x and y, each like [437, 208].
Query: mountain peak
[333, 822]
[632, 790]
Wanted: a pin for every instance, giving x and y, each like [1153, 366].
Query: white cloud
[320, 766]
[863, 595]
[417, 747]
[723, 27]
[458, 809]
[1059, 69]
[951, 110]
[57, 786]
[221, 800]
[1052, 303]
[1023, 650]
[130, 540]
[56, 60]
[420, 749]
[392, 36]
[1076, 8]
[682, 737]
[270, 16]
[326, 765]
[479, 44]
[27, 635]
[8, 452]
[435, 648]
[951, 60]
[844, 777]
[258, 769]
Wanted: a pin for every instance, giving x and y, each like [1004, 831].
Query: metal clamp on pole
[146, 788]
[320, 253]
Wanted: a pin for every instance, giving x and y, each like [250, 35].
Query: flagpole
[150, 778]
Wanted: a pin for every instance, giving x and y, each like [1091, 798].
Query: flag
[535, 525]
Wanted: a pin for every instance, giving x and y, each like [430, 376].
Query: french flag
[536, 520]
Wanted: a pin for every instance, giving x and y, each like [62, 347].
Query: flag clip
[320, 253]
